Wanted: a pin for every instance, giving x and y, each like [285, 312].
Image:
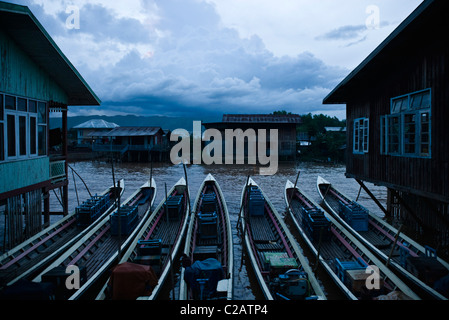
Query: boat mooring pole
[119, 226]
[76, 190]
[394, 245]
[187, 186]
[73, 171]
[242, 217]
[151, 174]
[241, 206]
[317, 262]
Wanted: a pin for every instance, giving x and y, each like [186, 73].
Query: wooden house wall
[286, 135]
[23, 77]
[428, 68]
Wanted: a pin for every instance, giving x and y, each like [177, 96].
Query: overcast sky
[205, 57]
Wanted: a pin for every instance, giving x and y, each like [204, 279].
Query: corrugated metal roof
[262, 118]
[133, 131]
[96, 133]
[96, 124]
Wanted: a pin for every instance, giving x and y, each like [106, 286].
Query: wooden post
[65, 188]
[46, 196]
[394, 245]
[119, 226]
[388, 214]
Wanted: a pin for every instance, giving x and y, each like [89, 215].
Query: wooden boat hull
[30, 257]
[335, 242]
[214, 241]
[98, 249]
[279, 247]
[379, 237]
[157, 227]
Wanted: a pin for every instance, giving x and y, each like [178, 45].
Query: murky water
[98, 176]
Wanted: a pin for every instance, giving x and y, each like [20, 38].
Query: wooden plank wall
[428, 176]
[23, 218]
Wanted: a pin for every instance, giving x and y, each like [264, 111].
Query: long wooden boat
[354, 268]
[92, 255]
[416, 263]
[280, 267]
[207, 272]
[145, 266]
[29, 258]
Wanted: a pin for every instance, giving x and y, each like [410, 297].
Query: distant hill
[170, 123]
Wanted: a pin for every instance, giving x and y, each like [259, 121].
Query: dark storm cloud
[186, 62]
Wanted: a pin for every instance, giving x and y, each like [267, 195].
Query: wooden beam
[387, 213]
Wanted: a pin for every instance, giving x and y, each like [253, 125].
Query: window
[22, 104]
[22, 135]
[2, 128]
[394, 135]
[32, 106]
[399, 105]
[1, 108]
[425, 134]
[33, 136]
[10, 102]
[42, 128]
[23, 128]
[409, 133]
[361, 136]
[406, 131]
[11, 120]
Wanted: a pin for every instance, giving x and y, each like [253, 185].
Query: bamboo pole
[394, 245]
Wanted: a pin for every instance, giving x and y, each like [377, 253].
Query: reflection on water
[98, 176]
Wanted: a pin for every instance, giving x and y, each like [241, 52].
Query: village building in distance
[285, 124]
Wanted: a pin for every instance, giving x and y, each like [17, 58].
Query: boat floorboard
[167, 231]
[41, 253]
[101, 255]
[261, 229]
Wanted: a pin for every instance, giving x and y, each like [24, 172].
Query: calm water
[98, 176]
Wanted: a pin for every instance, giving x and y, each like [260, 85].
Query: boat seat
[205, 249]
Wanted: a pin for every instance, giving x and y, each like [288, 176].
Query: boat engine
[292, 285]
